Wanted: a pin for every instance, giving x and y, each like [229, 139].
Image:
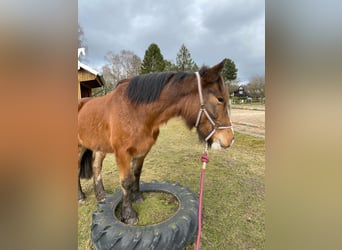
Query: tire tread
[107, 232]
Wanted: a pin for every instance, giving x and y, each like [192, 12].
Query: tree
[229, 71]
[153, 60]
[233, 86]
[195, 68]
[81, 37]
[184, 61]
[126, 64]
[256, 87]
[170, 66]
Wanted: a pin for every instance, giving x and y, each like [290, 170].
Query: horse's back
[90, 105]
[82, 101]
[110, 122]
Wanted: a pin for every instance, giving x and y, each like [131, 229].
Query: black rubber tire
[108, 232]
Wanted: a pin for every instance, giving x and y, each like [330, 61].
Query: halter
[203, 110]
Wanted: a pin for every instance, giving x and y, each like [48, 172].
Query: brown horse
[126, 122]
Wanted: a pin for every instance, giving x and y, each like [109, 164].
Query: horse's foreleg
[137, 164]
[128, 214]
[98, 184]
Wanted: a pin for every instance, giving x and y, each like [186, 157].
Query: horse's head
[213, 122]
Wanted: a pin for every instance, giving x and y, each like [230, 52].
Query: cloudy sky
[210, 29]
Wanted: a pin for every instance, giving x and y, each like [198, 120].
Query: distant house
[240, 92]
[88, 78]
[241, 95]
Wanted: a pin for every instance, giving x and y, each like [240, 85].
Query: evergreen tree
[170, 66]
[195, 68]
[229, 71]
[153, 60]
[184, 61]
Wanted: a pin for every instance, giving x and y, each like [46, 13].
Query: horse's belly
[93, 131]
[98, 147]
[95, 143]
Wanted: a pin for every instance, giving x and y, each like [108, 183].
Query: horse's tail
[86, 165]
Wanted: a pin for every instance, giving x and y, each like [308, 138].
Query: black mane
[147, 88]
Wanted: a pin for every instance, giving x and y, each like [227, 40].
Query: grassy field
[234, 191]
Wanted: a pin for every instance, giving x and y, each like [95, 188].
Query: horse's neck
[185, 105]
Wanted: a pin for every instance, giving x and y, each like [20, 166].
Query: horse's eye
[220, 100]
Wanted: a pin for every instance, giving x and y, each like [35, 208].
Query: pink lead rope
[205, 160]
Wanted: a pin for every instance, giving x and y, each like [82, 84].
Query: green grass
[157, 207]
[234, 189]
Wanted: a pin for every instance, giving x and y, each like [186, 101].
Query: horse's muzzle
[219, 145]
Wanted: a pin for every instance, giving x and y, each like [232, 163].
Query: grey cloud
[211, 30]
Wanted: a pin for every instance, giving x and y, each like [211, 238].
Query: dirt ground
[249, 121]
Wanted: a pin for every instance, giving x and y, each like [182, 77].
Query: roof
[87, 68]
[94, 81]
[97, 81]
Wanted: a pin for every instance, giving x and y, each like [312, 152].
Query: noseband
[205, 112]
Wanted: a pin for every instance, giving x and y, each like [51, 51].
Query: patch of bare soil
[248, 121]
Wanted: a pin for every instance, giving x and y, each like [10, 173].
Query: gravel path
[249, 121]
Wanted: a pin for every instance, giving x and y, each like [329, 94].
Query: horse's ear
[213, 73]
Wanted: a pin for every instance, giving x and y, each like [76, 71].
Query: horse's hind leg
[137, 164]
[81, 195]
[98, 184]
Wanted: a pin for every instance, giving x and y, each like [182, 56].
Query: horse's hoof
[81, 201]
[100, 194]
[81, 196]
[139, 200]
[102, 199]
[131, 221]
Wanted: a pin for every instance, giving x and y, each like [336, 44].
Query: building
[240, 92]
[88, 78]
